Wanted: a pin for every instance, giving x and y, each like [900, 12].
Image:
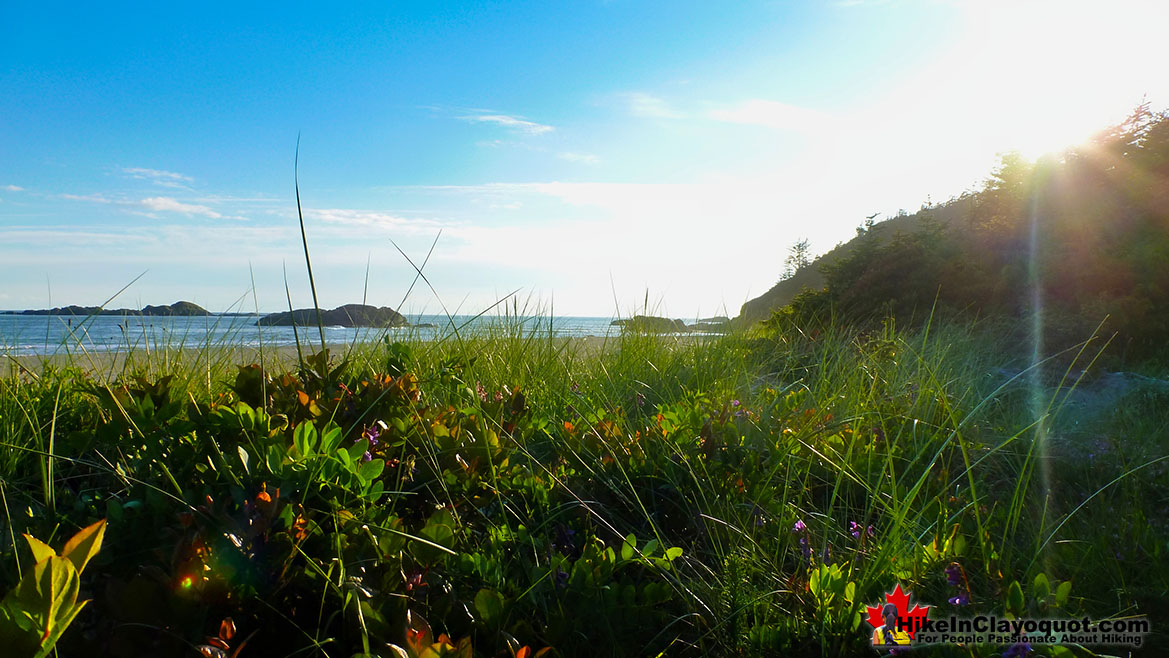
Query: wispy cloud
[372, 219]
[12, 188]
[648, 106]
[515, 123]
[170, 204]
[149, 206]
[88, 198]
[770, 114]
[158, 176]
[583, 158]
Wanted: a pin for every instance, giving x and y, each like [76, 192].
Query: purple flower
[799, 526]
[1017, 650]
[734, 403]
[871, 531]
[373, 432]
[640, 399]
[954, 574]
[854, 529]
[367, 457]
[805, 548]
[963, 598]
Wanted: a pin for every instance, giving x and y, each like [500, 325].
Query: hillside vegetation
[1078, 238]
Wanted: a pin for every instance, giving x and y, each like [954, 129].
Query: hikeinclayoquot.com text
[998, 630]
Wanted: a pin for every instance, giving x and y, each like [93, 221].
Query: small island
[177, 308]
[650, 324]
[349, 315]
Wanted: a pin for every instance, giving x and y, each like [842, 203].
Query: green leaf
[1041, 587]
[1015, 600]
[40, 550]
[673, 553]
[650, 547]
[49, 595]
[628, 546]
[331, 439]
[357, 450]
[439, 532]
[489, 605]
[305, 439]
[275, 459]
[84, 545]
[1062, 592]
[371, 469]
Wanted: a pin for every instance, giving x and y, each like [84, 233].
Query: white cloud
[169, 204]
[583, 158]
[158, 176]
[88, 198]
[372, 219]
[517, 124]
[155, 204]
[649, 106]
[11, 188]
[771, 114]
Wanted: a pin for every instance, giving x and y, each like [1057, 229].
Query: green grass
[635, 497]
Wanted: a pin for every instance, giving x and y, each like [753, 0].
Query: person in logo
[889, 634]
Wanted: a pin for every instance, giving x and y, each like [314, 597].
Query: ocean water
[22, 335]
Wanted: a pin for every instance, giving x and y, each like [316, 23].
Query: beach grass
[747, 494]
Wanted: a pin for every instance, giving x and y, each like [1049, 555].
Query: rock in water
[349, 315]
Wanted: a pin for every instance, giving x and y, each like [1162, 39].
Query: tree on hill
[799, 256]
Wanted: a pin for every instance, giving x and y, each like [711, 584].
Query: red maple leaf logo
[908, 620]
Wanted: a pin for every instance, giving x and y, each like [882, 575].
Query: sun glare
[1044, 76]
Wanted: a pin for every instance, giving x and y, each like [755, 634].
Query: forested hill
[1088, 230]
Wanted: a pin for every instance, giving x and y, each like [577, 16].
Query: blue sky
[590, 154]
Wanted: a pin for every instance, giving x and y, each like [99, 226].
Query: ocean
[24, 335]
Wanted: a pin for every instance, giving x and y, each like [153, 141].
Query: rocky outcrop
[349, 315]
[650, 324]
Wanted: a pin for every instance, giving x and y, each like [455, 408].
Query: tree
[798, 256]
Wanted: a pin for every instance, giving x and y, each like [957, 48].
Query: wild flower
[374, 432]
[1018, 650]
[640, 400]
[801, 529]
[954, 574]
[481, 392]
[962, 598]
